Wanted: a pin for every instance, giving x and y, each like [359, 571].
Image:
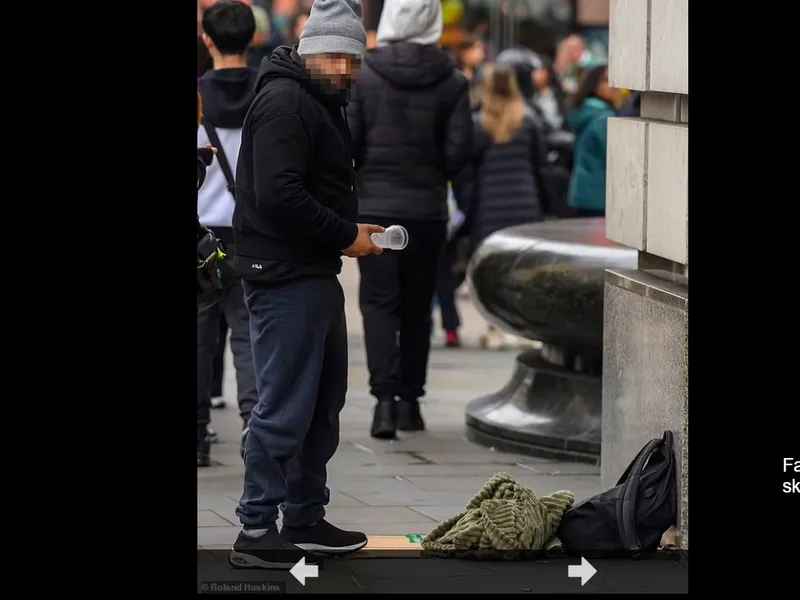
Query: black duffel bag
[629, 519]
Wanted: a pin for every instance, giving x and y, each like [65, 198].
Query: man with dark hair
[227, 92]
[296, 211]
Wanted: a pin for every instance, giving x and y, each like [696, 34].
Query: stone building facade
[645, 369]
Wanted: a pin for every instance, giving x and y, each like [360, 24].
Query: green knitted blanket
[505, 520]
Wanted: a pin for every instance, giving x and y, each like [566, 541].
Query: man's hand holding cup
[364, 245]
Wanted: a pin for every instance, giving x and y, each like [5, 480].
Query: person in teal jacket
[594, 104]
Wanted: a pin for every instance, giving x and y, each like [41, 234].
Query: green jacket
[587, 188]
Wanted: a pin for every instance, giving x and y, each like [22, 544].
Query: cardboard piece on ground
[378, 546]
[385, 546]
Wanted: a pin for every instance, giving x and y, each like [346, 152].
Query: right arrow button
[584, 571]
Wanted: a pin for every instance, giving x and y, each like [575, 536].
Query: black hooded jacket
[296, 202]
[412, 131]
[227, 95]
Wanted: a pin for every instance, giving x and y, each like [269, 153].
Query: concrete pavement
[401, 487]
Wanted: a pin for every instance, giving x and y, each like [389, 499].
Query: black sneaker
[324, 538]
[270, 551]
[384, 420]
[409, 417]
[204, 452]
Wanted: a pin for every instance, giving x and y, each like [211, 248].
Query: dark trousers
[396, 293]
[299, 339]
[232, 306]
[447, 284]
[218, 366]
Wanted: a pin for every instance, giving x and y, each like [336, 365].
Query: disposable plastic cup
[394, 238]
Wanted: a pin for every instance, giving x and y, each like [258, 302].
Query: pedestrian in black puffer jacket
[502, 186]
[412, 132]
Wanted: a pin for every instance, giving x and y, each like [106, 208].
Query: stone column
[645, 366]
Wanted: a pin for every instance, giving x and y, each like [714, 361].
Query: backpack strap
[628, 470]
[223, 160]
[626, 507]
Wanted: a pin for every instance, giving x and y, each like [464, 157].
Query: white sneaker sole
[319, 548]
[239, 560]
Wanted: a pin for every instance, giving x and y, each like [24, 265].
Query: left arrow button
[301, 571]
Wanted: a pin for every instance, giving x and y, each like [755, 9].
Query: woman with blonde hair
[503, 185]
[504, 188]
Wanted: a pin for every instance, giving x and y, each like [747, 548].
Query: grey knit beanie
[334, 27]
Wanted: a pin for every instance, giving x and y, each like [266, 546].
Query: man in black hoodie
[412, 129]
[296, 210]
[227, 92]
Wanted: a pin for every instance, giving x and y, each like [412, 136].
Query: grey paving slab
[433, 470]
[348, 484]
[541, 485]
[211, 500]
[420, 527]
[209, 518]
[216, 536]
[446, 437]
[228, 512]
[480, 456]
[351, 459]
[555, 468]
[440, 513]
[464, 484]
[408, 497]
[373, 514]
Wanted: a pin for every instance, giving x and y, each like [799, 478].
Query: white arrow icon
[301, 571]
[585, 571]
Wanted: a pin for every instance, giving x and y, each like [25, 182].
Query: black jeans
[446, 286]
[233, 307]
[299, 336]
[396, 293]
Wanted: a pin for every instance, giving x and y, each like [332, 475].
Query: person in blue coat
[593, 105]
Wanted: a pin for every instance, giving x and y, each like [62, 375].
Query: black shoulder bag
[223, 160]
[215, 272]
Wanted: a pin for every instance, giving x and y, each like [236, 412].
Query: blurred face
[474, 56]
[541, 79]
[569, 53]
[338, 70]
[574, 48]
